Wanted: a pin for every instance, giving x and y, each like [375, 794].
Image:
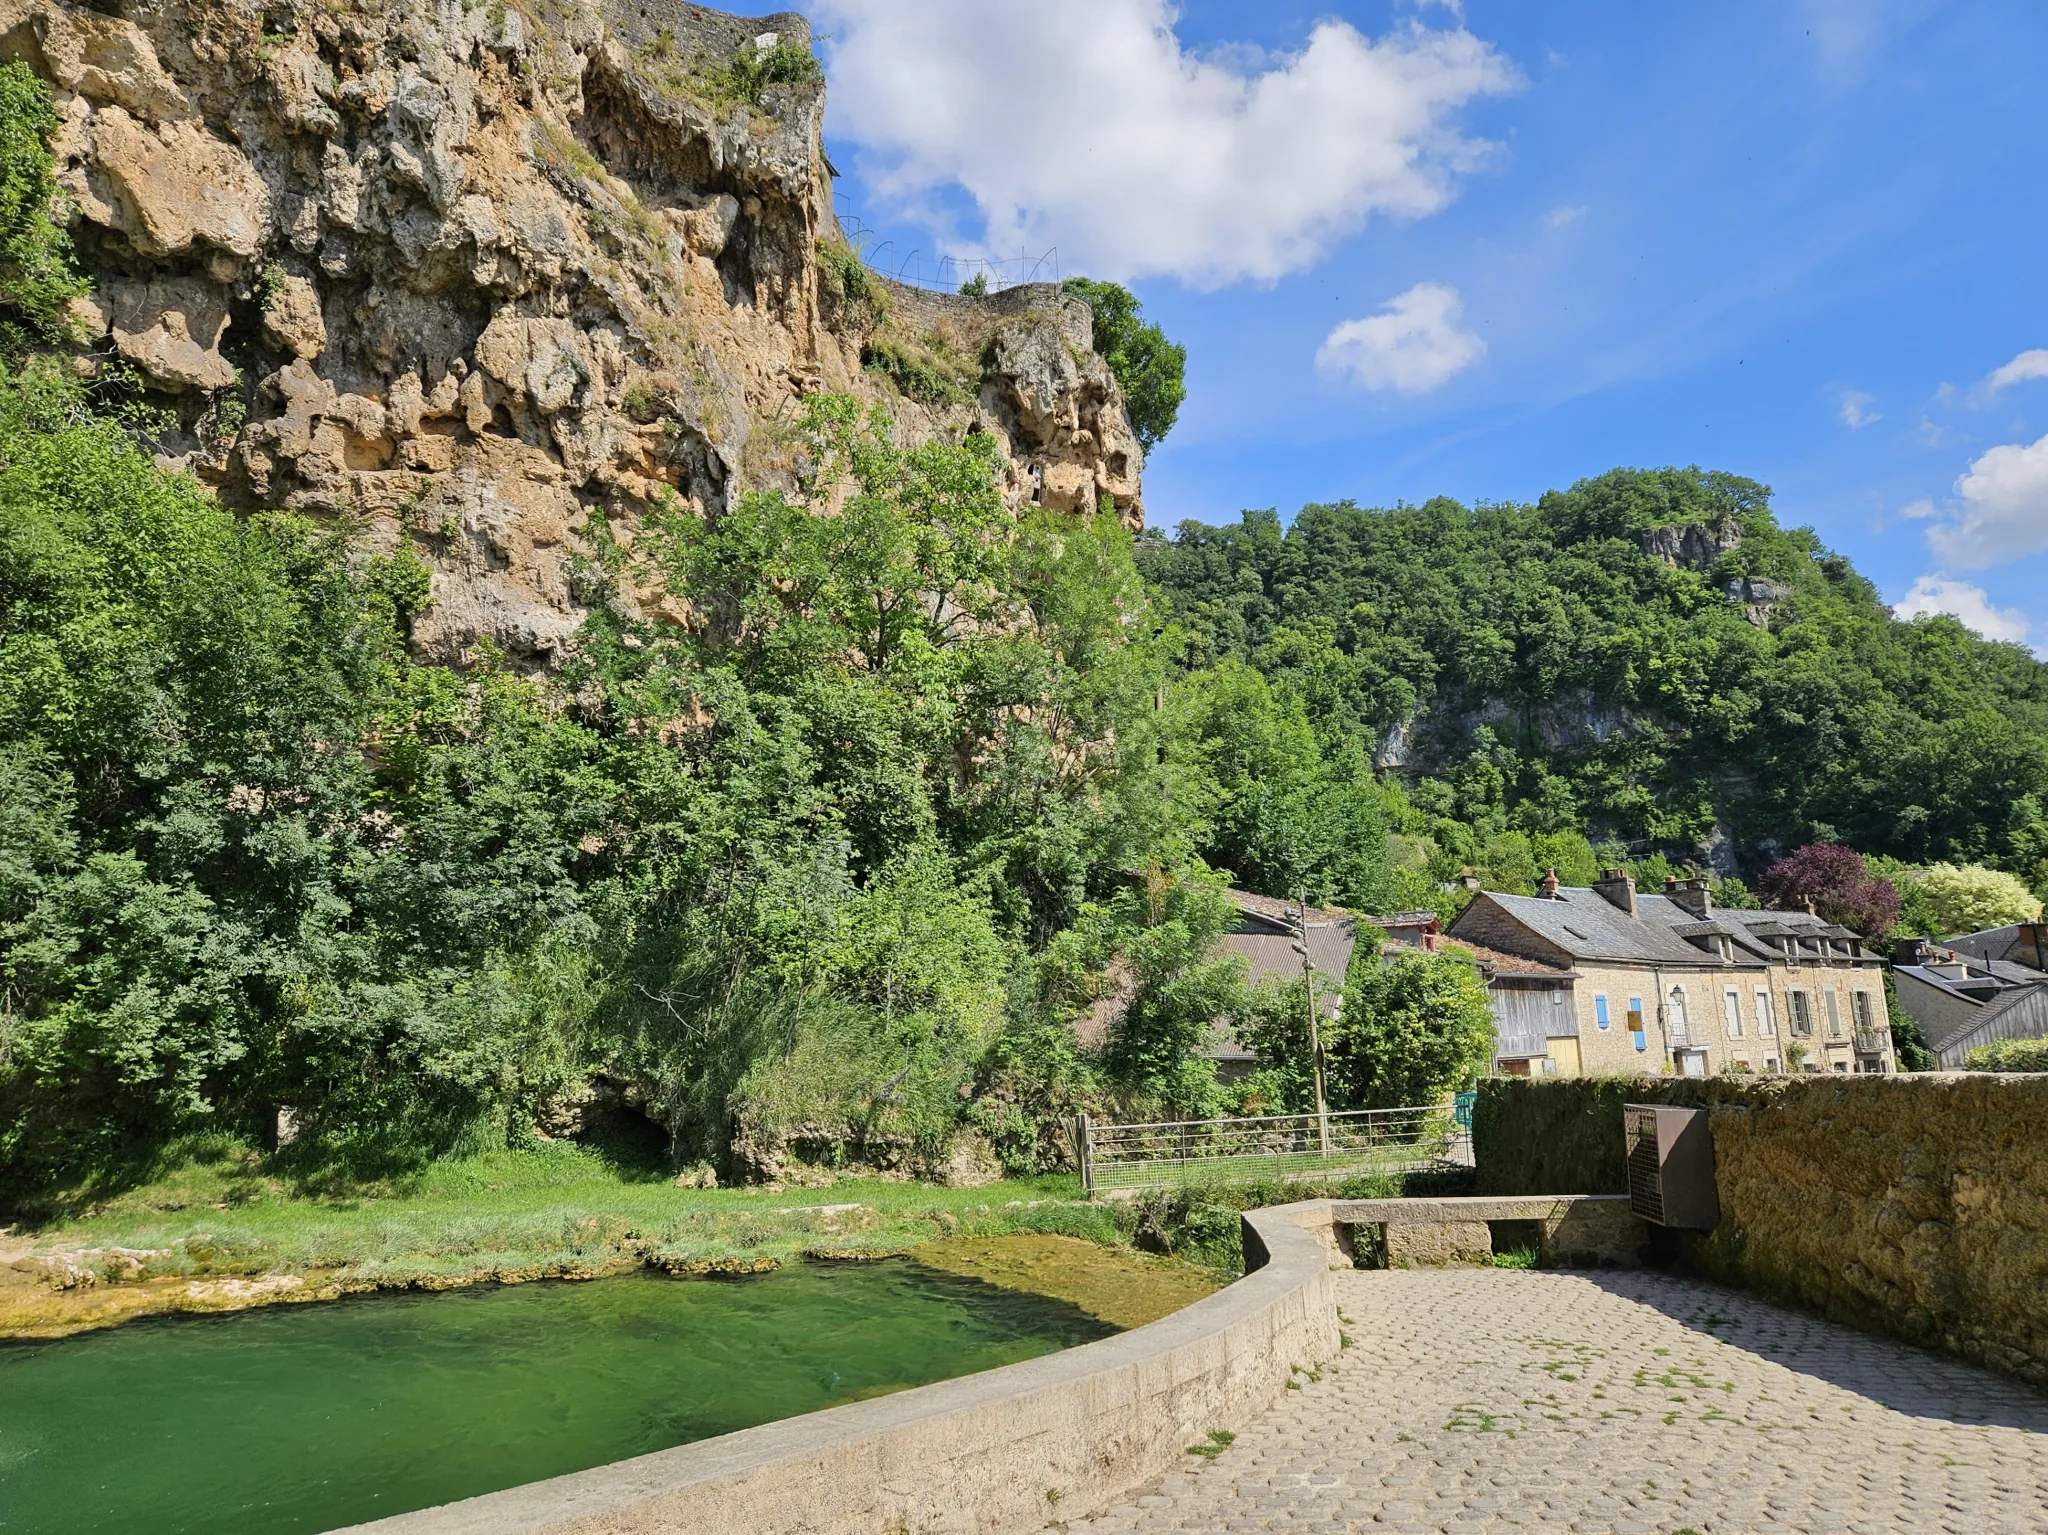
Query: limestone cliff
[467, 273]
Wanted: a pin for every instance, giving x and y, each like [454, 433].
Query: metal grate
[1645, 1169]
[1279, 1146]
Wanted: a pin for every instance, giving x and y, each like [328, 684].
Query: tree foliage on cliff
[1635, 658]
[1151, 371]
[812, 876]
[37, 273]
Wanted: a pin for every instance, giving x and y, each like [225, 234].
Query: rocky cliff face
[468, 272]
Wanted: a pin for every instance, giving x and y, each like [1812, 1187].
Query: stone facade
[1656, 987]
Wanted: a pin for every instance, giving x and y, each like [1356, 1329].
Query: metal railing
[1277, 1146]
[919, 268]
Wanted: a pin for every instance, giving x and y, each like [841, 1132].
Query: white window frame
[1766, 1025]
[1731, 1012]
[1834, 1013]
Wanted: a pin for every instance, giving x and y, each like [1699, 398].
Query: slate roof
[1991, 995]
[1750, 928]
[2012, 944]
[1587, 926]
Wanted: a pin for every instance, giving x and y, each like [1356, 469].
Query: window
[1771, 1064]
[1859, 1005]
[1834, 1015]
[1635, 1023]
[1802, 1013]
[1681, 1034]
[1731, 1010]
[1600, 1011]
[1765, 1028]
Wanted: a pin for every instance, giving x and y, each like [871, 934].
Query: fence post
[1084, 1150]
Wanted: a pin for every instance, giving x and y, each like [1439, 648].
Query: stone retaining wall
[1911, 1205]
[1003, 1450]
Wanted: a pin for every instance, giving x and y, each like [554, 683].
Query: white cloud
[1557, 218]
[1084, 124]
[1856, 412]
[2024, 368]
[1967, 603]
[1413, 344]
[1917, 510]
[2001, 509]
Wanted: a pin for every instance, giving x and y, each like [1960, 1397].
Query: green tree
[1177, 987]
[1412, 1030]
[38, 273]
[1149, 369]
[1967, 898]
[1638, 658]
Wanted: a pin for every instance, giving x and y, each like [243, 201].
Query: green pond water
[311, 1416]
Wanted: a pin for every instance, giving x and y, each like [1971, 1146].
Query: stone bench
[1572, 1230]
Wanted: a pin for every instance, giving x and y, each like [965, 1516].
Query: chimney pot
[1619, 890]
[1693, 896]
[1549, 886]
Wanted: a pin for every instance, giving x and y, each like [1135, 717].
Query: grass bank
[224, 1230]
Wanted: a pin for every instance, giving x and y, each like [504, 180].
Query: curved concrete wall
[1003, 1450]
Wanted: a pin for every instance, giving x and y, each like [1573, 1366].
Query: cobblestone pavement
[1491, 1399]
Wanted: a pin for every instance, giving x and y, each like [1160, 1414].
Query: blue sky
[1488, 250]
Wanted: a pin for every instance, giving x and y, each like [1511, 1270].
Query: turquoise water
[307, 1417]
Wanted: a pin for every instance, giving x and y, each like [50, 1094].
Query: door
[1565, 1052]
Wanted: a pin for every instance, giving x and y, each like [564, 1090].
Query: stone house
[1264, 931]
[1603, 981]
[1975, 990]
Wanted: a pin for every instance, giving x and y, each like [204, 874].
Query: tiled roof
[1505, 964]
[1274, 908]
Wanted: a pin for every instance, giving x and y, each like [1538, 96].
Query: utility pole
[1315, 1032]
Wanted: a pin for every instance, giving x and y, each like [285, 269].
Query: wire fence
[919, 268]
[1172, 1153]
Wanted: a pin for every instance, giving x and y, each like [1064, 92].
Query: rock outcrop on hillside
[471, 273]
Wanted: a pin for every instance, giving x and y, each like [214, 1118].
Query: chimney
[1910, 951]
[1809, 907]
[1548, 889]
[1619, 890]
[1693, 895]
